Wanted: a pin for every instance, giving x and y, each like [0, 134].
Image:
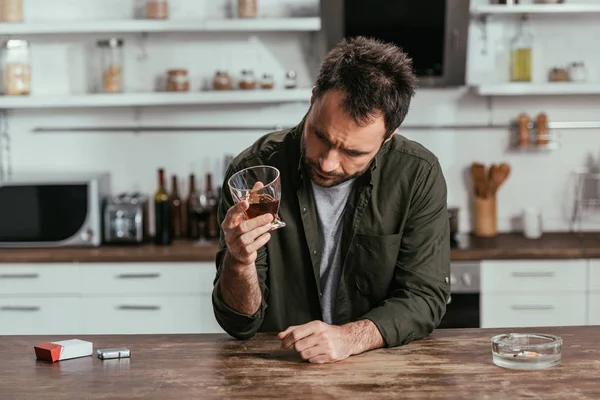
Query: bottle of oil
[521, 49]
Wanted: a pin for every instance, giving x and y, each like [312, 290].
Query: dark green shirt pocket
[372, 262]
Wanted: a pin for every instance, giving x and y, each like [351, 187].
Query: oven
[463, 308]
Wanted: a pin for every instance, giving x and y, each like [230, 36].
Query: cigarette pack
[63, 350]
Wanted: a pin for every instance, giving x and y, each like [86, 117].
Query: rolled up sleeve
[420, 286]
[236, 324]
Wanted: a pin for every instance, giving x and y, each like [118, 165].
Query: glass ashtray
[528, 351]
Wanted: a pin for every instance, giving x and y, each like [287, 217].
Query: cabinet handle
[533, 274]
[20, 308]
[145, 308]
[138, 276]
[533, 307]
[19, 276]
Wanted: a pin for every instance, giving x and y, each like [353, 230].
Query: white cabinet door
[147, 278]
[34, 279]
[507, 310]
[594, 307]
[40, 316]
[594, 285]
[533, 276]
[148, 315]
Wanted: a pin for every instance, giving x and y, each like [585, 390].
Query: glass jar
[157, 9]
[521, 48]
[111, 65]
[16, 68]
[290, 80]
[247, 8]
[222, 81]
[11, 11]
[577, 72]
[247, 81]
[178, 80]
[267, 81]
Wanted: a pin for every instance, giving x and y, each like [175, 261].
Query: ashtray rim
[553, 341]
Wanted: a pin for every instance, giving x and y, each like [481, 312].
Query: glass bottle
[112, 65]
[162, 212]
[175, 204]
[192, 207]
[521, 49]
[16, 68]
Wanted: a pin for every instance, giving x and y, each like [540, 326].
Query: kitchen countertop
[505, 246]
[450, 364]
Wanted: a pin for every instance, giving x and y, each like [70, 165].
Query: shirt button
[314, 252]
[304, 209]
[320, 294]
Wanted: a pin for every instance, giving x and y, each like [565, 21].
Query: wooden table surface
[505, 246]
[451, 364]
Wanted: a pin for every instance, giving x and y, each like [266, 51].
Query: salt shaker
[577, 72]
[532, 223]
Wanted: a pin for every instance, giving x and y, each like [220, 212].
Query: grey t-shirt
[330, 203]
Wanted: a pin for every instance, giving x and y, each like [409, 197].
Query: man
[364, 259]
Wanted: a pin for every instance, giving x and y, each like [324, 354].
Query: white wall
[61, 66]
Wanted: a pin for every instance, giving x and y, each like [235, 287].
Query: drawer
[595, 275]
[533, 276]
[594, 307]
[39, 279]
[40, 316]
[500, 311]
[149, 315]
[147, 278]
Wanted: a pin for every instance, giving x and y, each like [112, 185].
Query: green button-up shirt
[395, 245]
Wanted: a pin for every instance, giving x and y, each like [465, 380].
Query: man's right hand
[245, 237]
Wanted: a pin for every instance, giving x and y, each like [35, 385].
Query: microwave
[433, 33]
[56, 210]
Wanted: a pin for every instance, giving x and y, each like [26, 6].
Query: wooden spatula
[479, 177]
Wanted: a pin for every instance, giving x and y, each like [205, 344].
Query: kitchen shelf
[556, 9]
[157, 99]
[532, 89]
[145, 26]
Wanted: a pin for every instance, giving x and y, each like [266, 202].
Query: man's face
[334, 148]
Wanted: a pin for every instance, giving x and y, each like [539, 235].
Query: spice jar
[557, 75]
[112, 65]
[11, 10]
[267, 82]
[178, 80]
[247, 8]
[16, 68]
[157, 9]
[247, 81]
[222, 81]
[542, 130]
[523, 131]
[290, 80]
[577, 72]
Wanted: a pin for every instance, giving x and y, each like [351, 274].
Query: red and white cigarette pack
[63, 350]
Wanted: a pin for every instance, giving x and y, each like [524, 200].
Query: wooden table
[451, 364]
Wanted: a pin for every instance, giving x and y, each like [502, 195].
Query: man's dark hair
[376, 77]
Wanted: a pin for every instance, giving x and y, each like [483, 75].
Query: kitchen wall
[62, 65]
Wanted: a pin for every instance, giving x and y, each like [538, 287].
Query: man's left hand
[318, 342]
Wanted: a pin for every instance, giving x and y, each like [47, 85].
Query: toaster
[126, 218]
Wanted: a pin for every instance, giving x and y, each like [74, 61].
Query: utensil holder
[485, 216]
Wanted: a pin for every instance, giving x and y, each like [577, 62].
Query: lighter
[120, 352]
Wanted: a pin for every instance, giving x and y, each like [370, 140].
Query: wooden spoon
[504, 172]
[479, 177]
[493, 179]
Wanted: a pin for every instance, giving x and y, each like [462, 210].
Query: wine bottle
[211, 226]
[176, 210]
[162, 235]
[192, 207]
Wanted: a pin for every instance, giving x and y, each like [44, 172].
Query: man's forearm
[239, 287]
[363, 335]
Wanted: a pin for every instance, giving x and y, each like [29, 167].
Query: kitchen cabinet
[521, 293]
[594, 293]
[107, 298]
